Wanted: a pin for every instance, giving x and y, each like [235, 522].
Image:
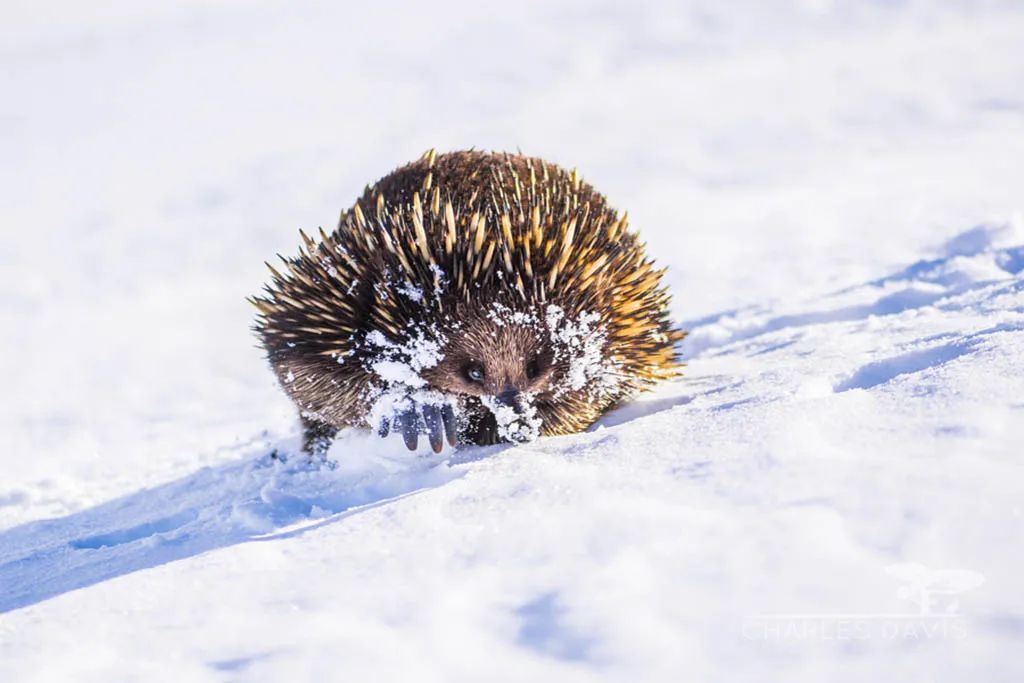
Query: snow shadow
[634, 410]
[880, 372]
[975, 258]
[258, 498]
[918, 360]
[544, 629]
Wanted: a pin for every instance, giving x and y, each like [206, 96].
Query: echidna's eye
[475, 372]
[532, 369]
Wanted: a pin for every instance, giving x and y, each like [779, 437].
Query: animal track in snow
[880, 372]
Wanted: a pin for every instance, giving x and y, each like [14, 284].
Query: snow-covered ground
[832, 492]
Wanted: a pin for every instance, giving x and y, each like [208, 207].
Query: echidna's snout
[512, 398]
[515, 414]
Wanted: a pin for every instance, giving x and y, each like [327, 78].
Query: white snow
[517, 426]
[402, 364]
[832, 492]
[578, 342]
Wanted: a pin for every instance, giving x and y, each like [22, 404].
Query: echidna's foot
[436, 421]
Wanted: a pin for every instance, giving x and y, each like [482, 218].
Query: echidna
[476, 296]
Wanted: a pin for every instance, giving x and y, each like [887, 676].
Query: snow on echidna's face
[497, 371]
[505, 371]
[493, 360]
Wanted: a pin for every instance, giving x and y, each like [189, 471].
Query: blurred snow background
[836, 188]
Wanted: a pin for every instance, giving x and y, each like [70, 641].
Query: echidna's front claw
[436, 421]
[448, 417]
[407, 422]
[432, 419]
